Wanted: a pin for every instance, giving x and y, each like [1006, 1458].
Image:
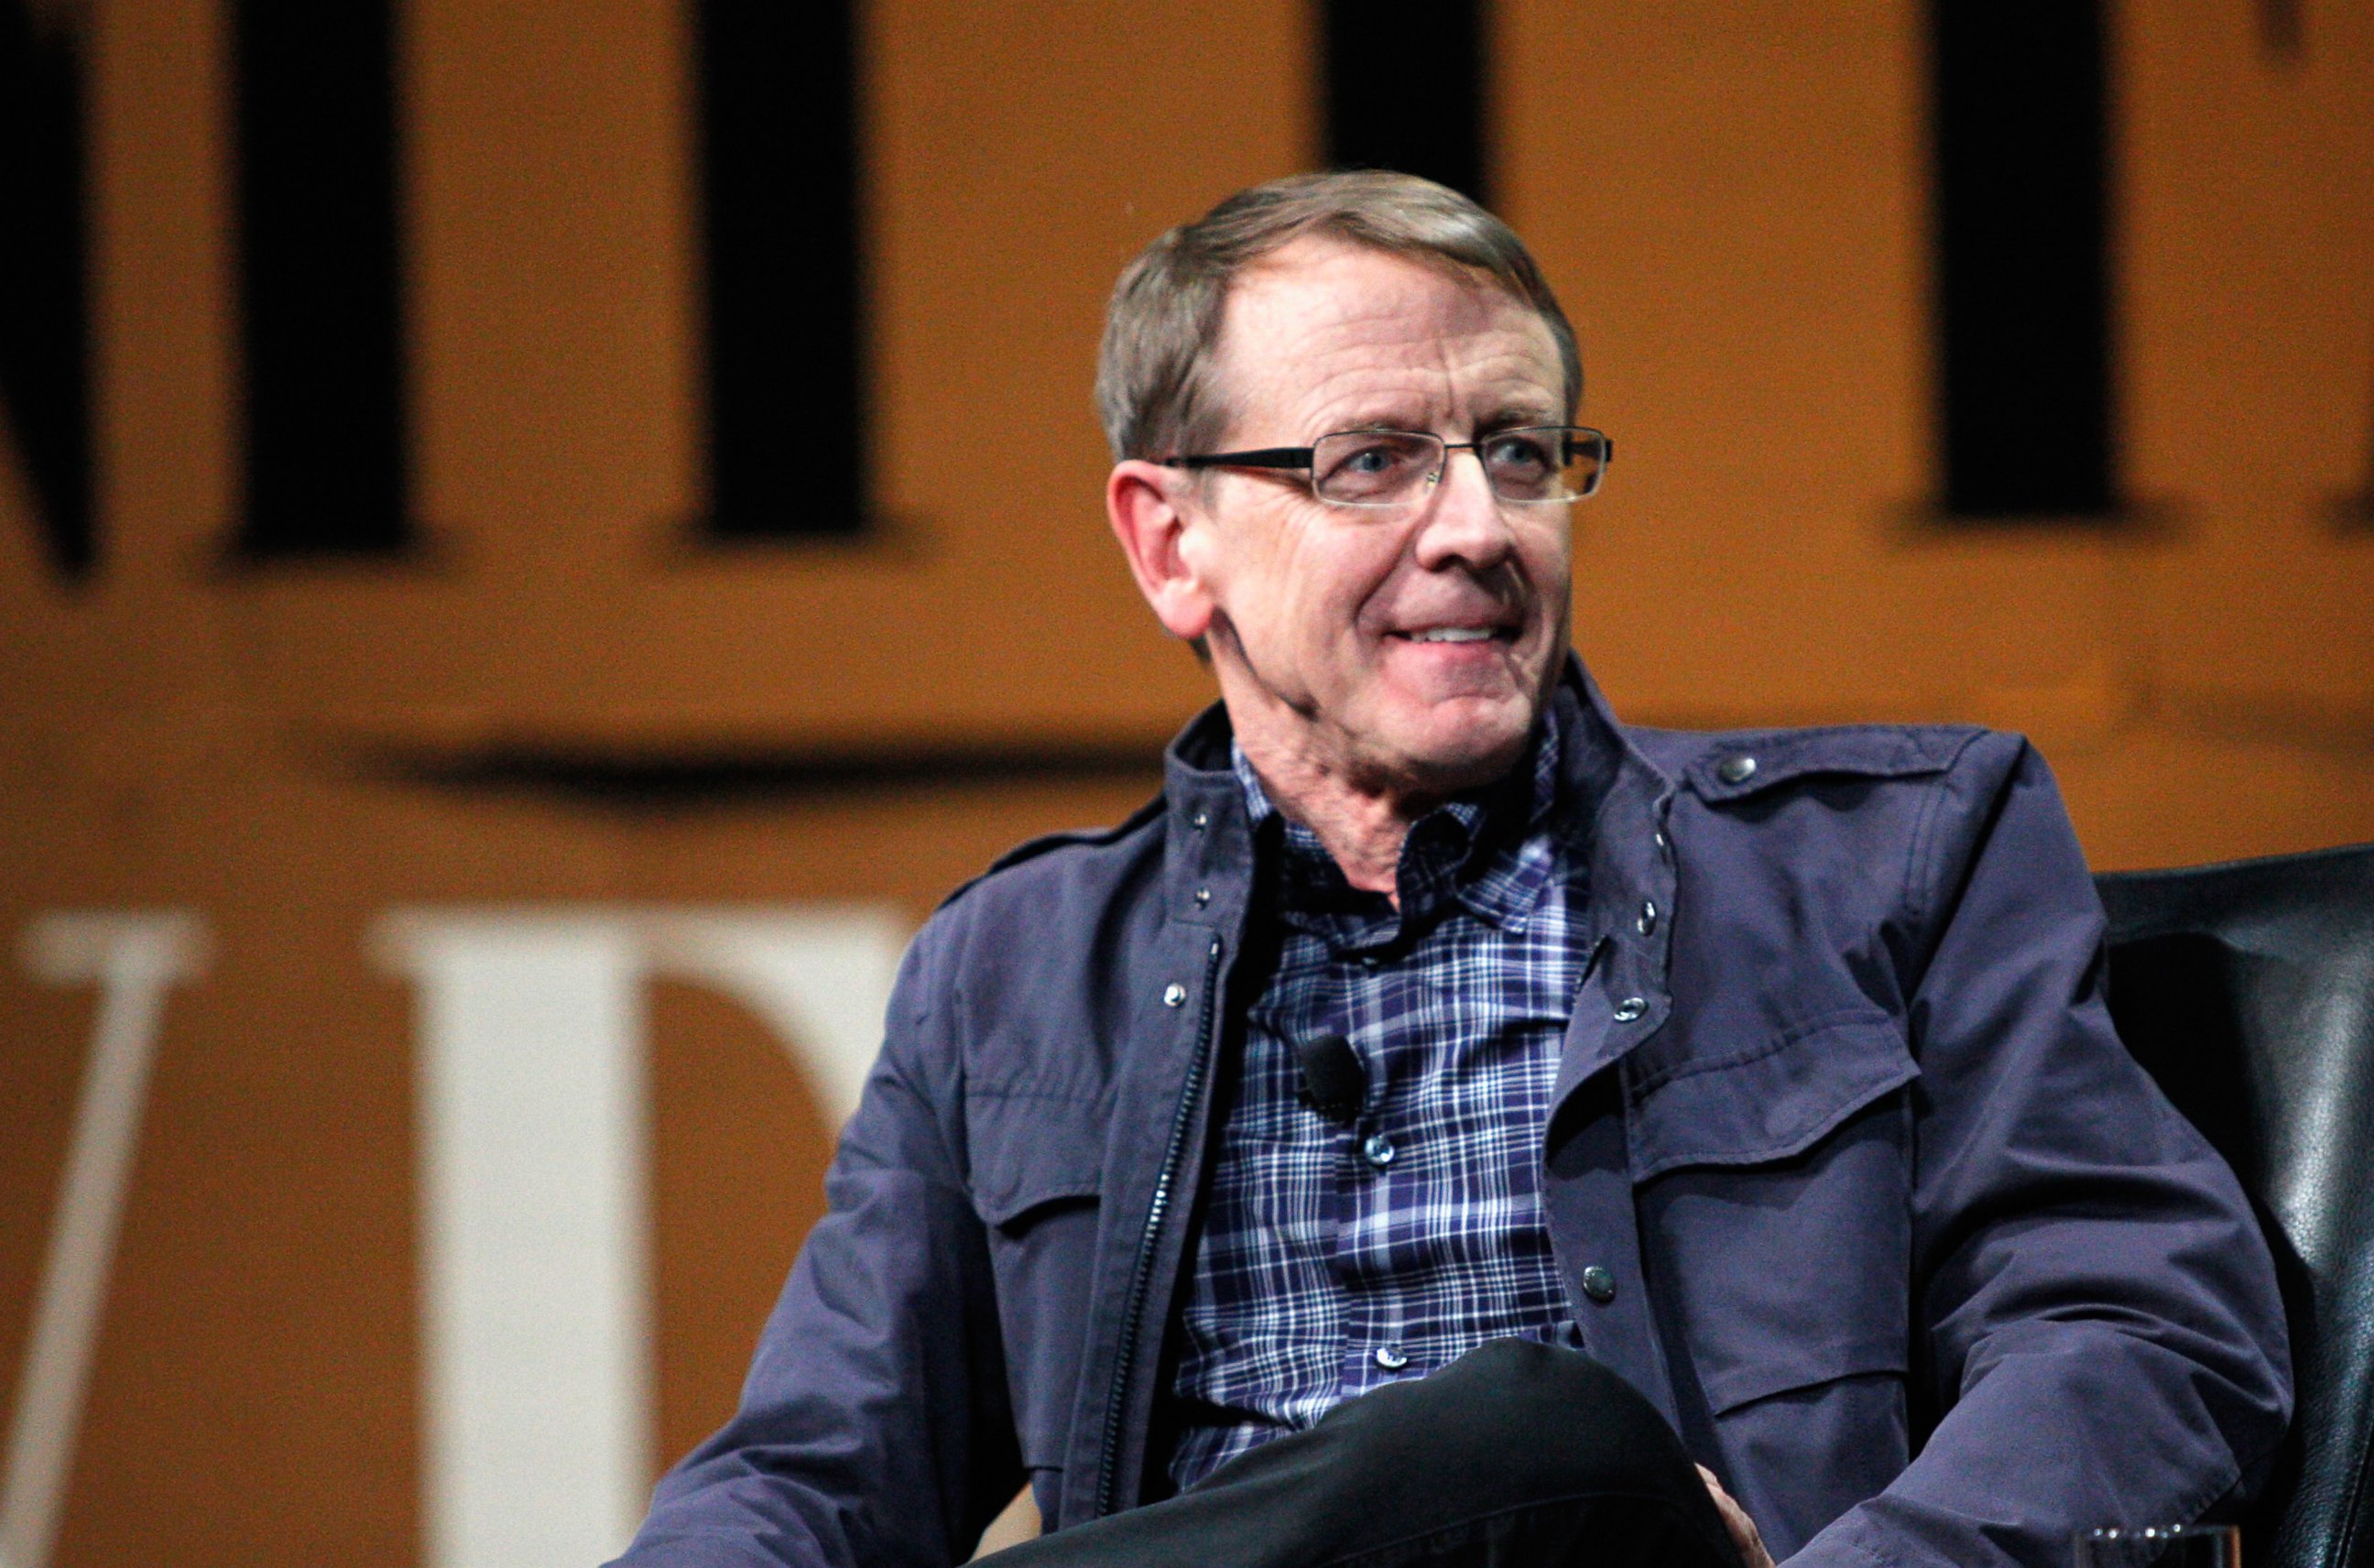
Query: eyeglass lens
[1383, 468]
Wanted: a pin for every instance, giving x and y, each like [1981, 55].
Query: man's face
[1406, 649]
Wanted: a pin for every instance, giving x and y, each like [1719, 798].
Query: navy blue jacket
[1905, 1245]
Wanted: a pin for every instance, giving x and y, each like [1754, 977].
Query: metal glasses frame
[1302, 457]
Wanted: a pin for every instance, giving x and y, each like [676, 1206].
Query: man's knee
[1514, 1439]
[1531, 1419]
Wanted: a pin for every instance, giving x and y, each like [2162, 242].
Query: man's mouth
[1456, 634]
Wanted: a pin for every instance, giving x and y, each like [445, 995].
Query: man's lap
[1518, 1453]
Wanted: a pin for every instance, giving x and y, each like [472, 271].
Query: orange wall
[1728, 195]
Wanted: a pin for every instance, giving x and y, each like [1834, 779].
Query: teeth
[1453, 634]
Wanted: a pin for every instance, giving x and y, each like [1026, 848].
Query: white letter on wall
[133, 958]
[533, 1120]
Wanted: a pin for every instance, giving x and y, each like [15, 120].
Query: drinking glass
[2163, 1545]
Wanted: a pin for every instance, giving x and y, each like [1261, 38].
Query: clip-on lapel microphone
[1334, 1082]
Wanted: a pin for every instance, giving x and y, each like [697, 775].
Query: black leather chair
[2248, 991]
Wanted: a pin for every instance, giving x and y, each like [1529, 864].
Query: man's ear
[1144, 503]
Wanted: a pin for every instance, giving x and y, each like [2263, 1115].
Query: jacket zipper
[1141, 1279]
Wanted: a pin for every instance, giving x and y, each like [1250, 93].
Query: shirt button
[1735, 770]
[1202, 820]
[1392, 1358]
[1203, 897]
[1174, 995]
[1599, 1284]
[1378, 1150]
[1647, 917]
[1627, 1010]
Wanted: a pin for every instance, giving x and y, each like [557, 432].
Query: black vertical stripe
[2363, 507]
[2026, 350]
[2282, 32]
[1405, 88]
[785, 307]
[321, 307]
[44, 301]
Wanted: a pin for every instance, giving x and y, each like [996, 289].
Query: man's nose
[1462, 520]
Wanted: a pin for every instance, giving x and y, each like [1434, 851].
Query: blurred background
[537, 541]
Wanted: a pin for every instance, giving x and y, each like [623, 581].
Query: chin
[1469, 745]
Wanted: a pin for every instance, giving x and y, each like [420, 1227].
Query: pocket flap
[1802, 1366]
[1768, 1103]
[1032, 1149]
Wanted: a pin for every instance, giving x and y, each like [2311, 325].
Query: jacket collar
[1627, 991]
[1208, 833]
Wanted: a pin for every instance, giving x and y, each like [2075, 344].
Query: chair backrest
[2248, 992]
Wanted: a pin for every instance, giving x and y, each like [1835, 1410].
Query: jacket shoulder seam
[1047, 843]
[1920, 856]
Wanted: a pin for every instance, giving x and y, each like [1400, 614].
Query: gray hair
[1153, 372]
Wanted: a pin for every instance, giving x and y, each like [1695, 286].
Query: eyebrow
[1507, 418]
[1512, 416]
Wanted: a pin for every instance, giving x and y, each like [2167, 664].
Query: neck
[1312, 775]
[1361, 829]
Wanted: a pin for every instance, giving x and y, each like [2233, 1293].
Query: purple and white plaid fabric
[1335, 1259]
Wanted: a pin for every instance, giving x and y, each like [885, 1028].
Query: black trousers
[1515, 1456]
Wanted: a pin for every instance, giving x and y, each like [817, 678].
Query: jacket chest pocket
[1774, 1192]
[1037, 1167]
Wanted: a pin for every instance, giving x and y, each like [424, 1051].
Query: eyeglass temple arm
[1268, 457]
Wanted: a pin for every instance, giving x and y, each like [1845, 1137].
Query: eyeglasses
[1531, 465]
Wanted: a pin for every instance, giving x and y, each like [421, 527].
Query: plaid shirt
[1332, 1259]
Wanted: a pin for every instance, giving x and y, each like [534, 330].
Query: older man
[1446, 1112]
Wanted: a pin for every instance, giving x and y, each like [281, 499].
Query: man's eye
[1374, 459]
[1519, 453]
[1367, 467]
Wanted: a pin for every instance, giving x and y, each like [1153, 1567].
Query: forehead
[1328, 330]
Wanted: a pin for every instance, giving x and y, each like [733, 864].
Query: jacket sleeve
[2096, 1330]
[874, 1427]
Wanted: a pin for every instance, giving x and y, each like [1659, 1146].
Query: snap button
[1629, 1008]
[1203, 897]
[1202, 820]
[1648, 917]
[1378, 1150]
[1392, 1358]
[1174, 995]
[1599, 1284]
[1736, 769]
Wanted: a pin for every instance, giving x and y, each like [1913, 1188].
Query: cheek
[1548, 547]
[1324, 581]
[1548, 561]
